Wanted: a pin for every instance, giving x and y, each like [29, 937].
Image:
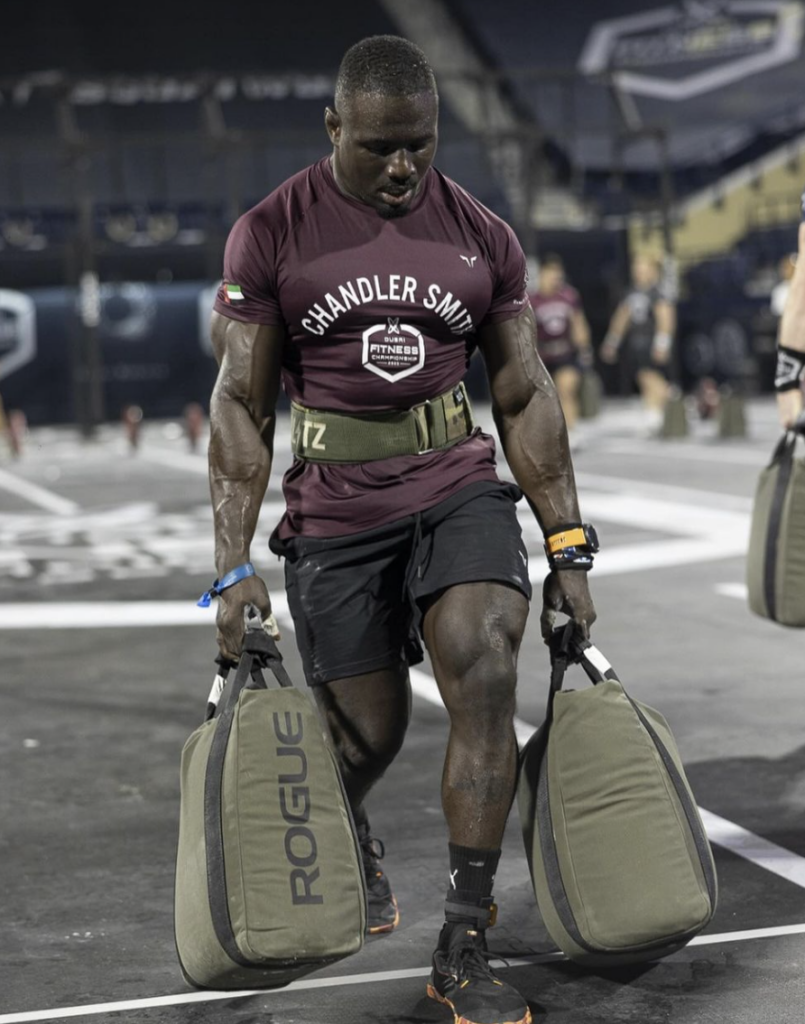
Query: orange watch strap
[572, 538]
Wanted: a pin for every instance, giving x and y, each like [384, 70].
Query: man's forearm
[535, 444]
[240, 465]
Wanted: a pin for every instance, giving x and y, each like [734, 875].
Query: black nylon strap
[784, 458]
[217, 893]
[694, 824]
[259, 651]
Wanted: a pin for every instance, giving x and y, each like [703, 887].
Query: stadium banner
[154, 341]
[680, 51]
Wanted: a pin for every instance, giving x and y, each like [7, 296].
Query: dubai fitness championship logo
[393, 350]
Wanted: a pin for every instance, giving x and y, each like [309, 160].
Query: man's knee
[367, 718]
[482, 697]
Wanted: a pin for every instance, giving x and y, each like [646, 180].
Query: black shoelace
[468, 961]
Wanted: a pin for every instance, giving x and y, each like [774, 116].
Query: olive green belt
[321, 436]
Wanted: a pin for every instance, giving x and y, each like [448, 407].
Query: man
[361, 284]
[563, 334]
[646, 319]
[791, 342]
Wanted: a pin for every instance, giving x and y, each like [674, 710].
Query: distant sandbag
[775, 564]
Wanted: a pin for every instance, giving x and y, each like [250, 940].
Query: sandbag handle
[568, 647]
[259, 651]
[784, 449]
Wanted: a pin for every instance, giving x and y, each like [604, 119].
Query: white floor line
[37, 495]
[663, 492]
[186, 461]
[754, 848]
[189, 998]
[692, 451]
[114, 614]
[737, 590]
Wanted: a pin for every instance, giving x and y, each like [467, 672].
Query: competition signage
[678, 52]
[17, 331]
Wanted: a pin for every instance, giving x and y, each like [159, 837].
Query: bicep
[250, 364]
[513, 365]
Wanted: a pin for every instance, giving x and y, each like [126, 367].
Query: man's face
[383, 147]
[551, 279]
[645, 272]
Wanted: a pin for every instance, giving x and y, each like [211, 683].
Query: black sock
[472, 875]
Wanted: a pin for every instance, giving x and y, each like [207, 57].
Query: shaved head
[383, 66]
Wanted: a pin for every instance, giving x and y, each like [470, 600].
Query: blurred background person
[779, 293]
[791, 342]
[645, 320]
[563, 334]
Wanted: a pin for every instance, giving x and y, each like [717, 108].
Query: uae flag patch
[232, 292]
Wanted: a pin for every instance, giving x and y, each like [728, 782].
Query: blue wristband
[242, 572]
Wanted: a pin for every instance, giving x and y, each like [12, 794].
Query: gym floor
[106, 666]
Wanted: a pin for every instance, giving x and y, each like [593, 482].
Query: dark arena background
[132, 136]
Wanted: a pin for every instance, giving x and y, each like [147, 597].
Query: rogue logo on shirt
[393, 350]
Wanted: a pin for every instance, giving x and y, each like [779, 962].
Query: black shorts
[357, 601]
[641, 354]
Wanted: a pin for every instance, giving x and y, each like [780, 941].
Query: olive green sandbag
[675, 417]
[269, 877]
[621, 866]
[591, 390]
[775, 563]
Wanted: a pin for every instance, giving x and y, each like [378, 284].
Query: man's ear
[332, 122]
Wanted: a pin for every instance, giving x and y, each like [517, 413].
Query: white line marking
[185, 998]
[738, 590]
[114, 614]
[37, 495]
[721, 453]
[175, 460]
[663, 492]
[754, 848]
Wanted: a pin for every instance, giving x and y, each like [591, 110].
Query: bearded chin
[392, 212]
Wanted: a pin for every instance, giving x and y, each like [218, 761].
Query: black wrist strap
[790, 368]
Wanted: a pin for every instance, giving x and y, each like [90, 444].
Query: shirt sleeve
[248, 291]
[509, 295]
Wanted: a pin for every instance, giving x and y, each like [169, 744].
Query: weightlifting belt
[320, 436]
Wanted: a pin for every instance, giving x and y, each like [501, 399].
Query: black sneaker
[463, 980]
[382, 914]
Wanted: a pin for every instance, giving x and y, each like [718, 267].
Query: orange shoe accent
[433, 994]
[384, 929]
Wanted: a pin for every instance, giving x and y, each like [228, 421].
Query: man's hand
[231, 605]
[789, 406]
[660, 354]
[567, 591]
[609, 351]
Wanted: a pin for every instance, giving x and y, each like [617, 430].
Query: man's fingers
[271, 627]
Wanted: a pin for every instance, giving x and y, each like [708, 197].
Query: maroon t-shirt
[554, 315]
[379, 314]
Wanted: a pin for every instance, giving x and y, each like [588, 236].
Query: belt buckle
[422, 426]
